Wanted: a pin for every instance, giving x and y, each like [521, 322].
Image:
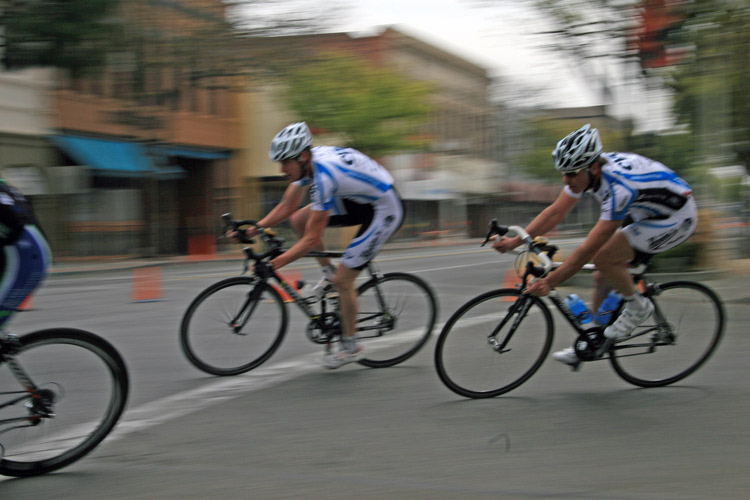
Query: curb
[103, 265]
[585, 278]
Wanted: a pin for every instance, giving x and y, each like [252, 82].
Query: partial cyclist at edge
[646, 209]
[25, 255]
[347, 188]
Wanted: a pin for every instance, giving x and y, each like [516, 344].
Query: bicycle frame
[303, 303]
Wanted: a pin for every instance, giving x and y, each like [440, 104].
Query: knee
[602, 261]
[297, 221]
[343, 285]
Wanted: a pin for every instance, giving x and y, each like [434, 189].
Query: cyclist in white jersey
[347, 188]
[645, 209]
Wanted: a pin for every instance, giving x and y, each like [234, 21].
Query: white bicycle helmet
[290, 142]
[578, 150]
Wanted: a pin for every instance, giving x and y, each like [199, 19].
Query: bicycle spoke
[472, 365]
[81, 392]
[687, 328]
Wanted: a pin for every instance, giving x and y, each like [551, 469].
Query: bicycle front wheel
[477, 358]
[232, 327]
[680, 336]
[81, 390]
[396, 315]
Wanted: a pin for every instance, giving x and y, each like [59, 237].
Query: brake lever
[494, 229]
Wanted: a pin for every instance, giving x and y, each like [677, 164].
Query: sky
[505, 39]
[500, 38]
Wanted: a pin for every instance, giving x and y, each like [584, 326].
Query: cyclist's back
[636, 186]
[345, 173]
[24, 252]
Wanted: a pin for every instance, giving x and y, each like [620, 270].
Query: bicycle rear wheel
[396, 315]
[226, 332]
[82, 388]
[679, 337]
[467, 362]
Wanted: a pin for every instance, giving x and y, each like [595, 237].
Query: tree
[544, 133]
[75, 36]
[200, 40]
[711, 87]
[378, 110]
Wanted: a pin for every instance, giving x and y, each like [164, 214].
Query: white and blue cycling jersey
[345, 173]
[656, 205]
[638, 187]
[357, 190]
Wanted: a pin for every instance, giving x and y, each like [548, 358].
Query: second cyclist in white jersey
[347, 188]
[646, 209]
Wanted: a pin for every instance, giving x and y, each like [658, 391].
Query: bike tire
[469, 365]
[208, 339]
[696, 315]
[411, 310]
[88, 381]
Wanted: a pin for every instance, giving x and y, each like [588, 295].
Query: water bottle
[608, 307]
[579, 309]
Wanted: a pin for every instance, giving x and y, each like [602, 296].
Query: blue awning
[113, 158]
[199, 154]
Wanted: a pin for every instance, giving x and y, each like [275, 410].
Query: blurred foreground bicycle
[235, 325]
[499, 339]
[69, 390]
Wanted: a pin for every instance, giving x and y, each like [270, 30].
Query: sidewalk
[77, 265]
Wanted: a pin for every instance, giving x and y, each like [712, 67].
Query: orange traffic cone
[510, 281]
[27, 304]
[147, 284]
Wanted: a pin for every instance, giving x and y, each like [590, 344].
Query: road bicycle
[499, 339]
[235, 325]
[63, 391]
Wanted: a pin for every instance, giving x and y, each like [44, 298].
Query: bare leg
[348, 302]
[612, 262]
[600, 290]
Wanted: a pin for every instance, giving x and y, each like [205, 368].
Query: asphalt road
[292, 429]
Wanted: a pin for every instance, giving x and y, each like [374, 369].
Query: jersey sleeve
[324, 189]
[616, 201]
[570, 192]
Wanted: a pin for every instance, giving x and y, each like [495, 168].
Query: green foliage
[711, 87]
[378, 110]
[74, 35]
[676, 151]
[544, 134]
[684, 257]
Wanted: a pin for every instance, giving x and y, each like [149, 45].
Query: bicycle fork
[519, 308]
[247, 309]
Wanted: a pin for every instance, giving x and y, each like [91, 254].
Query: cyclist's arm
[546, 221]
[597, 237]
[312, 239]
[289, 203]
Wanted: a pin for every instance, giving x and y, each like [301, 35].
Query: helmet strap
[306, 165]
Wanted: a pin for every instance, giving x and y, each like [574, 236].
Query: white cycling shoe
[628, 320]
[567, 356]
[322, 287]
[343, 357]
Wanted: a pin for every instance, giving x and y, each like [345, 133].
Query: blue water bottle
[608, 307]
[579, 309]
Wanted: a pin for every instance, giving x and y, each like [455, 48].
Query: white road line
[178, 405]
